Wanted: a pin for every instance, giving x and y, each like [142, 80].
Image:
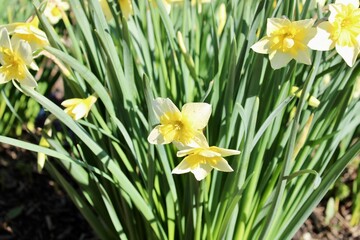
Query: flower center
[14, 65]
[284, 39]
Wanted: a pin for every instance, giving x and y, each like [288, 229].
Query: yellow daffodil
[29, 32]
[184, 127]
[126, 8]
[341, 32]
[202, 159]
[312, 101]
[78, 107]
[15, 56]
[286, 40]
[53, 10]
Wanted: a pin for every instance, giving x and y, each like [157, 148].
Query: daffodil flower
[202, 159]
[78, 107]
[286, 40]
[15, 56]
[184, 127]
[341, 32]
[53, 10]
[126, 8]
[29, 32]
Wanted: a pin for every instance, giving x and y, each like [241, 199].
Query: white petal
[80, 111]
[3, 78]
[5, 39]
[70, 102]
[273, 24]
[355, 3]
[262, 46]
[163, 105]
[334, 9]
[209, 154]
[10, 27]
[303, 57]
[349, 54]
[183, 167]
[322, 41]
[279, 59]
[197, 113]
[198, 141]
[34, 66]
[202, 171]
[24, 50]
[29, 80]
[306, 23]
[155, 137]
[224, 151]
[222, 165]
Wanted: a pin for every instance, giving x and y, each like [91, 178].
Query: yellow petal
[289, 42]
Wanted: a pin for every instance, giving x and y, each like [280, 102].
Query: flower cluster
[185, 129]
[286, 40]
[18, 43]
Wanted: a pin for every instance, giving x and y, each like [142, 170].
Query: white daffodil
[78, 107]
[53, 10]
[202, 159]
[341, 32]
[184, 127]
[15, 56]
[286, 40]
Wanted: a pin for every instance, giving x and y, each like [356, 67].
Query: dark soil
[33, 206]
